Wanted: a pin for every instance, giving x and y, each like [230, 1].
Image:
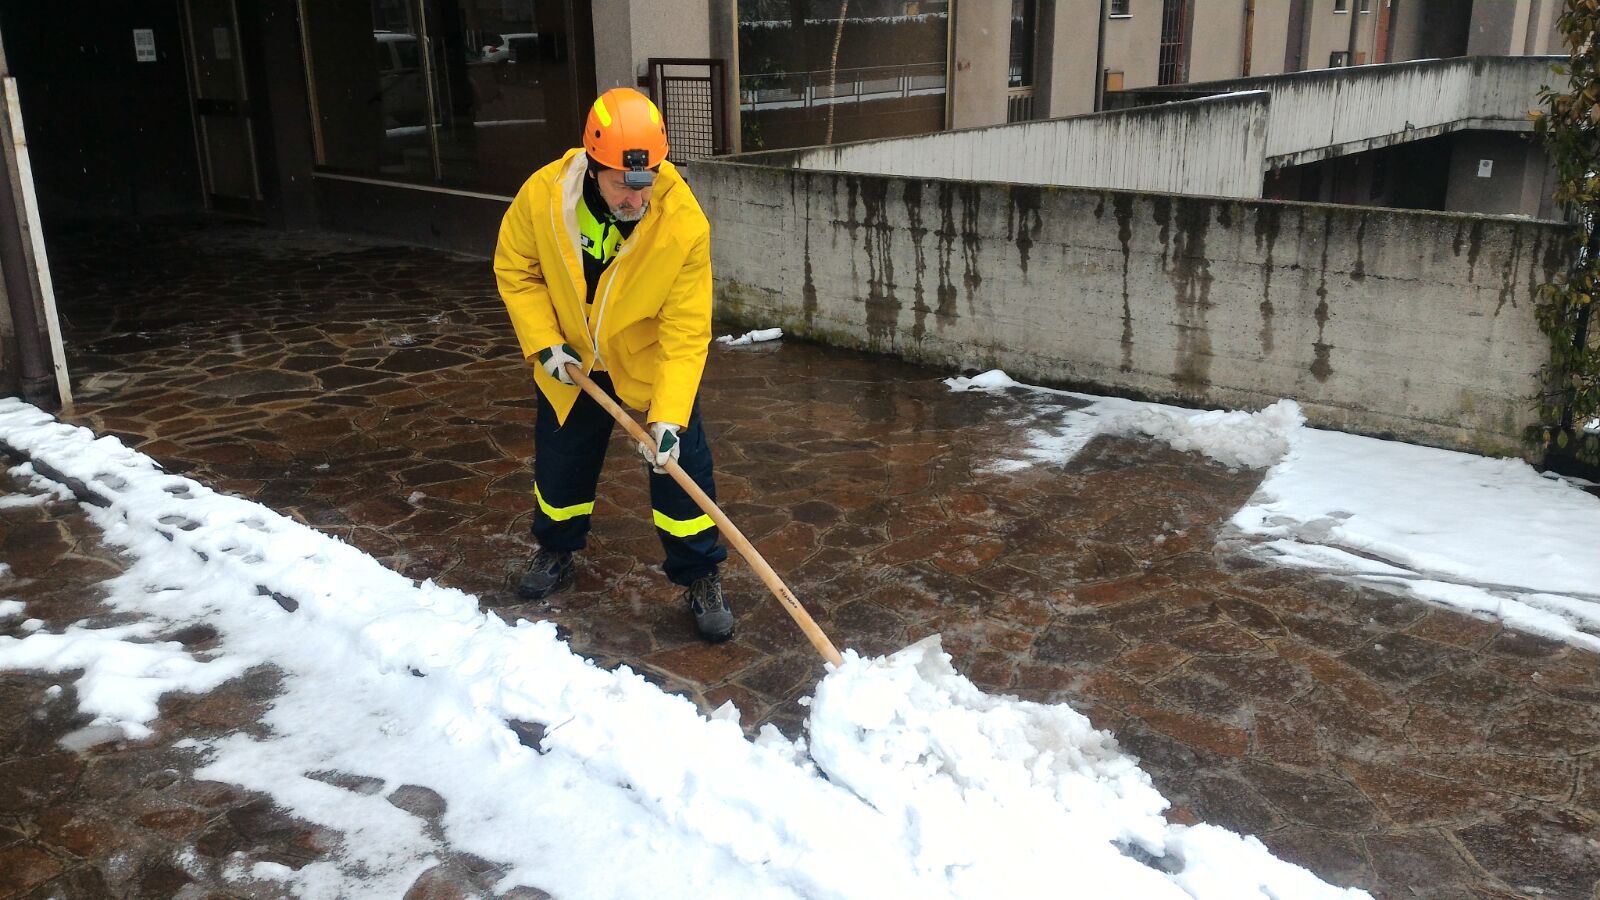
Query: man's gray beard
[622, 216]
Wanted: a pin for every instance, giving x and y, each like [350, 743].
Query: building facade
[1089, 49]
[420, 118]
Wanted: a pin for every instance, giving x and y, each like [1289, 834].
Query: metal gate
[692, 94]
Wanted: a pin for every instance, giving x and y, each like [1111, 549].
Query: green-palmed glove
[555, 359]
[665, 436]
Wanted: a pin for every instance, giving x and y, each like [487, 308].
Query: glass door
[222, 106]
[473, 94]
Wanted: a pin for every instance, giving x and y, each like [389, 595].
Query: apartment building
[1089, 49]
[420, 118]
[1016, 60]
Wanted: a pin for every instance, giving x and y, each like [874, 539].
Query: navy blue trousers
[566, 470]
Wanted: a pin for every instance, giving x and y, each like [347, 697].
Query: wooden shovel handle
[730, 531]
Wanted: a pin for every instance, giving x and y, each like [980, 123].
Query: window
[1364, 6]
[1341, 6]
[1173, 60]
[1338, 59]
[1023, 25]
[888, 78]
[467, 94]
[1120, 7]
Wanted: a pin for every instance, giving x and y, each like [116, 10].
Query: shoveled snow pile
[992, 380]
[1003, 795]
[751, 337]
[1231, 437]
[1491, 537]
[927, 787]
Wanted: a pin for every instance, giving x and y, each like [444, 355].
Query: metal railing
[1019, 104]
[822, 87]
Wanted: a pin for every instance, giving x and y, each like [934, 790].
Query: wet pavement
[374, 392]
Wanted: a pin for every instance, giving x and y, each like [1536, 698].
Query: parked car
[497, 47]
[525, 46]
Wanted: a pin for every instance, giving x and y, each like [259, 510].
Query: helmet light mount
[636, 174]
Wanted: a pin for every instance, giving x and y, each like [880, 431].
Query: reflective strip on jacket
[650, 324]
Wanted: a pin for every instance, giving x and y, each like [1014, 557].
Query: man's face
[626, 204]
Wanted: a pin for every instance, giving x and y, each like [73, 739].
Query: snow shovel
[730, 531]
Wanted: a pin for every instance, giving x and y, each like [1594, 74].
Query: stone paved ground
[373, 391]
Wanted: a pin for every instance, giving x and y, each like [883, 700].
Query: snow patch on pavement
[124, 671]
[927, 787]
[42, 489]
[1491, 537]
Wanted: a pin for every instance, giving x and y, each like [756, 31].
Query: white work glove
[665, 436]
[555, 359]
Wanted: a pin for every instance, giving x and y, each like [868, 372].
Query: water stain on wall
[1552, 256]
[883, 307]
[808, 291]
[945, 312]
[971, 243]
[1358, 272]
[1023, 223]
[1123, 206]
[1508, 272]
[911, 197]
[1322, 363]
[1474, 238]
[1161, 209]
[1190, 273]
[1268, 222]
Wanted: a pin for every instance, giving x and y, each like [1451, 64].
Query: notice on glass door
[223, 41]
[144, 44]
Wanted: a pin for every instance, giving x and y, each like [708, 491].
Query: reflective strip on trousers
[681, 528]
[562, 513]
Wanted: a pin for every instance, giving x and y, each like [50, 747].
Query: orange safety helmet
[625, 131]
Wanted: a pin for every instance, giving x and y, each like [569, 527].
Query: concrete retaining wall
[1330, 112]
[1210, 146]
[1414, 324]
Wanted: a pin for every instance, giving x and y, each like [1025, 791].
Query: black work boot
[712, 615]
[549, 571]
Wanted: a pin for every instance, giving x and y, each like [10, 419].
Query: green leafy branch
[1569, 123]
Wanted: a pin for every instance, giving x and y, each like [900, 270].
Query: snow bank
[931, 788]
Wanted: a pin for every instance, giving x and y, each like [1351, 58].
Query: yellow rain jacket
[650, 324]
